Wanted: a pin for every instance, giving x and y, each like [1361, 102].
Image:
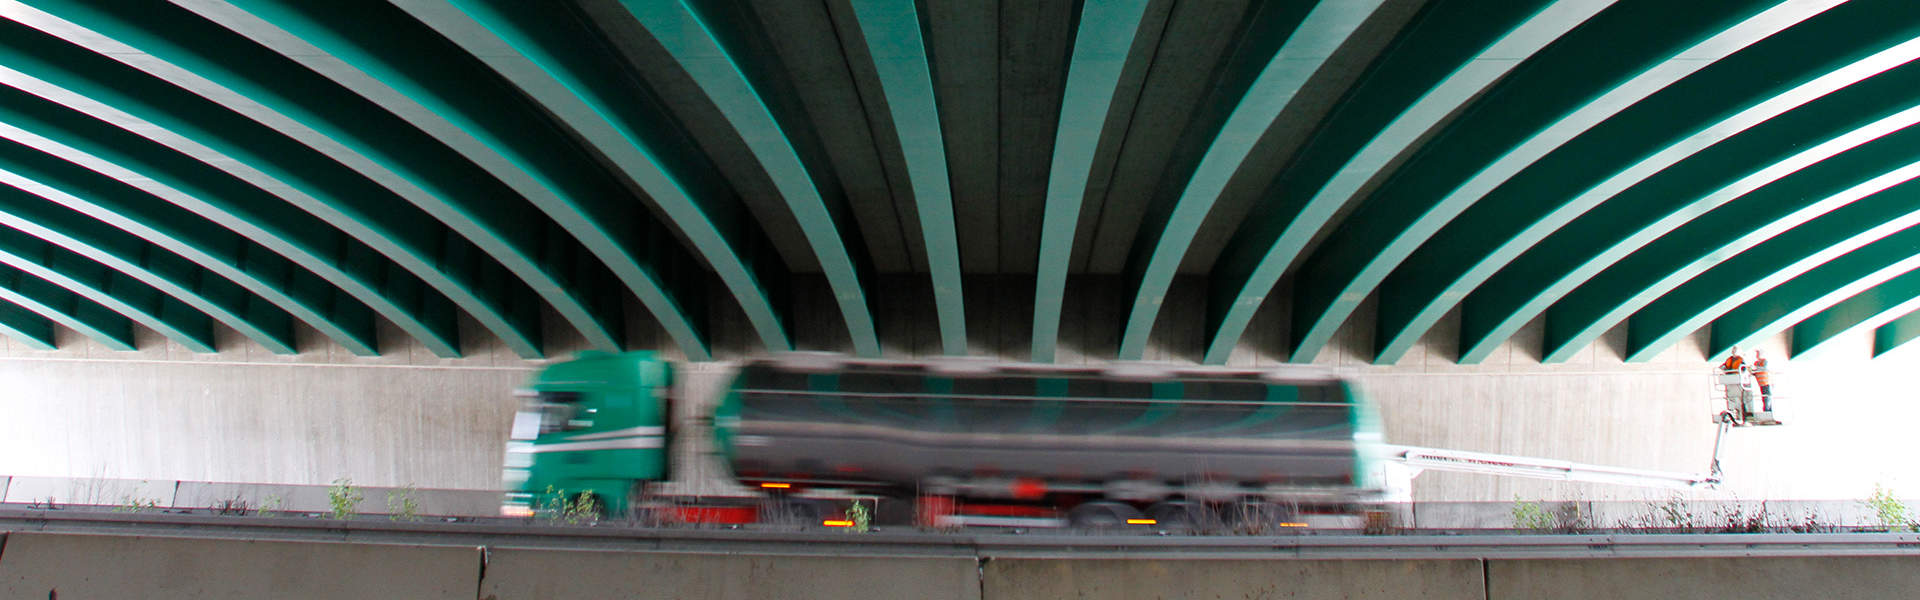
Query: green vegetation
[573, 509]
[861, 517]
[343, 498]
[136, 504]
[1530, 515]
[401, 506]
[1891, 512]
[269, 505]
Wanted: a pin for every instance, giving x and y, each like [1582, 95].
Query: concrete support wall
[409, 418]
[1835, 578]
[1042, 579]
[523, 573]
[40, 566]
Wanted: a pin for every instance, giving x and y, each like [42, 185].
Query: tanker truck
[953, 444]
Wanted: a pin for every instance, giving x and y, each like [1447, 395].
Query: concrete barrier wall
[1021, 578]
[38, 566]
[312, 498]
[1834, 578]
[520, 573]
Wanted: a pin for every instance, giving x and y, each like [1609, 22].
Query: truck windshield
[548, 412]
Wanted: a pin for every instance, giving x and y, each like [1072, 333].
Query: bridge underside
[1230, 182]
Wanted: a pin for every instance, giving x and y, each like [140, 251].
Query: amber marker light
[837, 523]
[1141, 521]
[776, 486]
[1293, 524]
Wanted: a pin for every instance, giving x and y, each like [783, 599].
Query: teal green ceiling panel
[1404, 214]
[112, 290]
[1472, 47]
[547, 59]
[155, 267]
[1872, 309]
[1718, 102]
[744, 172]
[26, 327]
[1821, 288]
[1750, 266]
[61, 305]
[699, 51]
[305, 179]
[210, 61]
[893, 36]
[248, 264]
[1896, 333]
[378, 53]
[1100, 47]
[1311, 43]
[1552, 274]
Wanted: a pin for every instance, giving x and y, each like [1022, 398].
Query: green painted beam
[1100, 47]
[1770, 256]
[1548, 277]
[1819, 289]
[248, 211]
[546, 58]
[1396, 220]
[380, 54]
[1896, 333]
[1312, 41]
[112, 290]
[892, 32]
[1604, 301]
[430, 255]
[155, 267]
[699, 52]
[61, 306]
[26, 327]
[200, 56]
[214, 248]
[1710, 106]
[1254, 261]
[1871, 309]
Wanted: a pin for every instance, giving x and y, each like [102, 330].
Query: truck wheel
[791, 511]
[1101, 514]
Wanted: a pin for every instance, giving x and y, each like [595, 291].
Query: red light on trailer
[837, 523]
[776, 486]
[1141, 521]
[1293, 524]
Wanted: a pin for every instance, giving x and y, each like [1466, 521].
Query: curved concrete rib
[26, 327]
[1107, 31]
[546, 59]
[1787, 250]
[1573, 257]
[1819, 289]
[202, 58]
[1596, 305]
[1874, 308]
[1251, 267]
[892, 31]
[247, 211]
[1346, 270]
[111, 289]
[164, 271]
[694, 46]
[197, 128]
[1309, 46]
[1467, 253]
[59, 305]
[1896, 333]
[218, 250]
[375, 53]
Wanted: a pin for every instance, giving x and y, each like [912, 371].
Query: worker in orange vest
[1760, 378]
[1733, 362]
